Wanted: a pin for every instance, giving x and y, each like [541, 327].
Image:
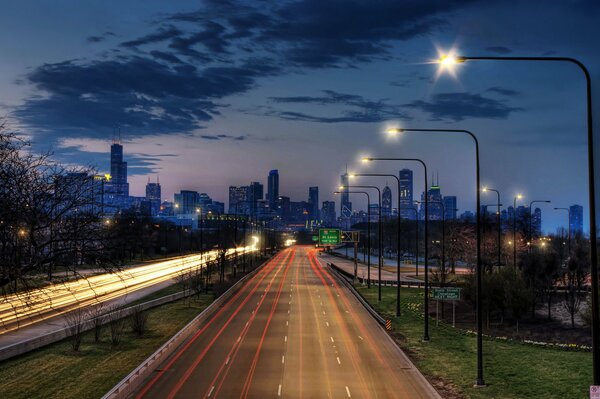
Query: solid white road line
[348, 391]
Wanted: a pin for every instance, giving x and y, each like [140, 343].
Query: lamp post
[449, 60]
[530, 221]
[569, 224]
[380, 246]
[368, 231]
[480, 380]
[399, 231]
[498, 204]
[426, 297]
[519, 196]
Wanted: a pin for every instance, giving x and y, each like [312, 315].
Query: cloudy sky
[214, 93]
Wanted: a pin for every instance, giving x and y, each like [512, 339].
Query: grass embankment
[55, 371]
[511, 369]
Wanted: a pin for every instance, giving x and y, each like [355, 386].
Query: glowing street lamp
[450, 60]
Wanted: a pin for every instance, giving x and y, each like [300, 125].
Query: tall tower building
[386, 202]
[238, 197]
[406, 194]
[328, 213]
[313, 200]
[576, 219]
[450, 207]
[118, 169]
[255, 193]
[273, 188]
[345, 204]
[153, 195]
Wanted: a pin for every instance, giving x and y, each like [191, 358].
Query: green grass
[55, 371]
[511, 369]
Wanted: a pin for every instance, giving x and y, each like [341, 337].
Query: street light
[368, 231]
[480, 380]
[446, 60]
[380, 249]
[399, 231]
[519, 196]
[530, 219]
[485, 190]
[426, 298]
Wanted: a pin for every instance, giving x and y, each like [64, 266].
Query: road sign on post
[329, 236]
[446, 294]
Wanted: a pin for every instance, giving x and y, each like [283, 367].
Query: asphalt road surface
[291, 331]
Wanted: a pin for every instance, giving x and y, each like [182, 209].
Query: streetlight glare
[447, 60]
[394, 130]
[365, 159]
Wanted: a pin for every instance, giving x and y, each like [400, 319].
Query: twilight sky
[216, 93]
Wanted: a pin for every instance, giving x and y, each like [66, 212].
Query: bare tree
[74, 322]
[138, 320]
[116, 325]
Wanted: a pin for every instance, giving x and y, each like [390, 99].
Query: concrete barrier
[135, 379]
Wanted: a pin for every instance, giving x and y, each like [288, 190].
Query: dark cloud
[503, 91]
[499, 50]
[460, 106]
[309, 33]
[143, 96]
[162, 34]
[165, 56]
[223, 137]
[365, 111]
[100, 38]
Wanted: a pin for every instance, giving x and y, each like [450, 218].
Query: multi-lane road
[290, 331]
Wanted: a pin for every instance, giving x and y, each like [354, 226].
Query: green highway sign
[315, 238]
[329, 236]
[446, 294]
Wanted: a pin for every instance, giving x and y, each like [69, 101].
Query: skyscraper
[255, 193]
[238, 195]
[406, 194]
[576, 219]
[186, 202]
[345, 204]
[450, 207]
[536, 223]
[386, 202]
[313, 200]
[153, 196]
[118, 170]
[435, 208]
[328, 213]
[273, 188]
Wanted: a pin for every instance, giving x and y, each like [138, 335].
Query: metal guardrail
[134, 380]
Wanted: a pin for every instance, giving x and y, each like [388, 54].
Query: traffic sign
[446, 294]
[594, 392]
[315, 238]
[329, 236]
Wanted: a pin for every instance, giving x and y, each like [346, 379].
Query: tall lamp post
[399, 231]
[569, 224]
[426, 296]
[498, 204]
[380, 233]
[530, 220]
[451, 60]
[368, 231]
[479, 381]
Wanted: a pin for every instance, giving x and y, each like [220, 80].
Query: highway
[290, 331]
[29, 307]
